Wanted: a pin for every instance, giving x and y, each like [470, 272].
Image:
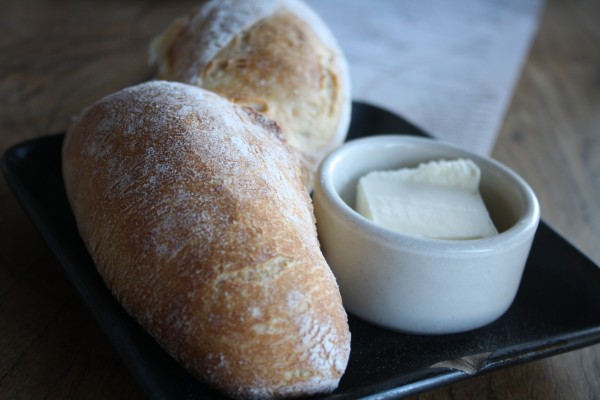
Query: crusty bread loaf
[276, 56]
[199, 224]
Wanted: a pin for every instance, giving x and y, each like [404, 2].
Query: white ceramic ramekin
[420, 285]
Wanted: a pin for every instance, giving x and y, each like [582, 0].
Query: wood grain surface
[56, 57]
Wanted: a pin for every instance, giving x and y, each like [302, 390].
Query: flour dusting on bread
[276, 56]
[193, 210]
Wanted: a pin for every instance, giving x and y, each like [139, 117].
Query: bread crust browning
[199, 224]
[276, 56]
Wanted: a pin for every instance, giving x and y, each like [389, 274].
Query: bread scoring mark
[199, 47]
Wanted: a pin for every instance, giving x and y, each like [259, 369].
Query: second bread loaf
[276, 56]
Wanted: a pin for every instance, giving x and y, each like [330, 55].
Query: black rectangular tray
[557, 308]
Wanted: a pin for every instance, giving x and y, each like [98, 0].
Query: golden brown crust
[200, 227]
[277, 57]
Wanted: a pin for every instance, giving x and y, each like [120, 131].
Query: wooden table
[56, 57]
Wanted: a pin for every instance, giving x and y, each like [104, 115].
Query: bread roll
[189, 207]
[276, 56]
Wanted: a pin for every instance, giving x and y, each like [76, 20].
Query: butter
[438, 199]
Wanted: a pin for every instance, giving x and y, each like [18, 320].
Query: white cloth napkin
[447, 66]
